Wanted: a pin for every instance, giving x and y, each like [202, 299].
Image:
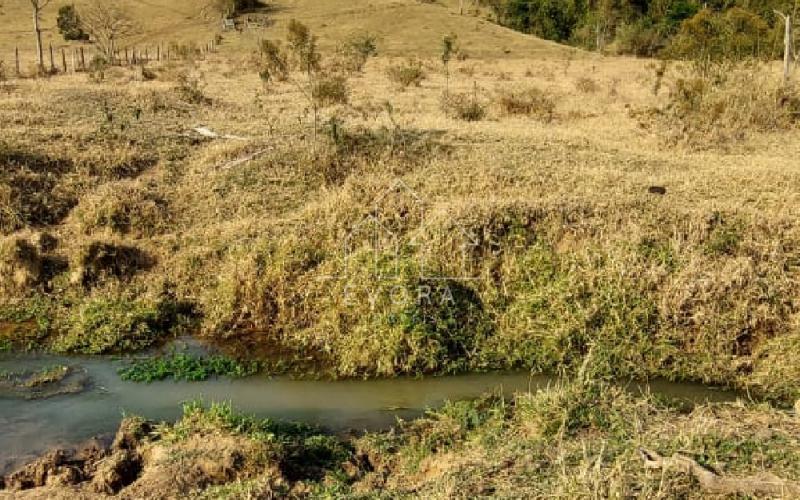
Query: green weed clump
[185, 367]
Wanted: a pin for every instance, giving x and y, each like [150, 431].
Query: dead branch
[764, 484]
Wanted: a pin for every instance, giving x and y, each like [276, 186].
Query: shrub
[407, 74]
[712, 38]
[97, 68]
[303, 46]
[586, 85]
[705, 111]
[357, 49]
[190, 88]
[276, 66]
[69, 23]
[464, 106]
[330, 90]
[641, 38]
[530, 102]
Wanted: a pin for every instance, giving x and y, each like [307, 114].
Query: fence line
[129, 56]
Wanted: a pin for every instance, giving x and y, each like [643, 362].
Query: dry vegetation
[645, 233]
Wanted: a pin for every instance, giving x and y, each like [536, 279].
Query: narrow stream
[30, 427]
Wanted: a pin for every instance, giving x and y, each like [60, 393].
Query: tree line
[652, 27]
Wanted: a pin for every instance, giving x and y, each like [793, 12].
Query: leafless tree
[38, 6]
[106, 23]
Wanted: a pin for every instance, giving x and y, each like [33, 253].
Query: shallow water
[31, 427]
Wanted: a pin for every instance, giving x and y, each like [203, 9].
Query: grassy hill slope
[405, 27]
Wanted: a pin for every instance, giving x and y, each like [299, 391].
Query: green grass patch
[115, 325]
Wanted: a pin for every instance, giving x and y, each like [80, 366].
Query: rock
[659, 190]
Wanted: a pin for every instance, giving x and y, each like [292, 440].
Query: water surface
[31, 427]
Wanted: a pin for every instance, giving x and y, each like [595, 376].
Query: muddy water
[31, 427]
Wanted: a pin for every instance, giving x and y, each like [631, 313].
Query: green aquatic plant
[187, 367]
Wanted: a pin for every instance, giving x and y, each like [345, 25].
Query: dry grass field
[574, 212]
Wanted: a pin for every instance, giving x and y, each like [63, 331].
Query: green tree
[69, 23]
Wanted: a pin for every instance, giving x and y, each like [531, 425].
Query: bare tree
[38, 6]
[106, 23]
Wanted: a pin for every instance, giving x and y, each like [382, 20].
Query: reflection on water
[28, 428]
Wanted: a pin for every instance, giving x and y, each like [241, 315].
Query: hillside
[341, 214]
[404, 27]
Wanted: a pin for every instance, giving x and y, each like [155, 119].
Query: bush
[357, 49]
[707, 111]
[69, 24]
[464, 106]
[586, 85]
[330, 90]
[407, 74]
[641, 38]
[712, 38]
[530, 102]
[191, 88]
[97, 68]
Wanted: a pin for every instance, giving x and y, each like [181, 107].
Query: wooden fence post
[158, 52]
[52, 60]
[788, 46]
[83, 61]
[127, 61]
[16, 59]
[64, 59]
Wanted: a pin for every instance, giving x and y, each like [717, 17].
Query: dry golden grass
[403, 27]
[244, 228]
